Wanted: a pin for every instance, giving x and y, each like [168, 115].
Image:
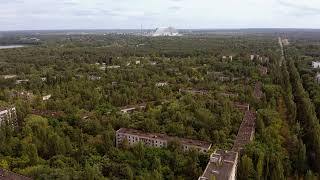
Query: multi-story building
[158, 140]
[8, 114]
[246, 131]
[222, 166]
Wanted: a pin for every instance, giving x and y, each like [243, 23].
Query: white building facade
[158, 140]
[8, 114]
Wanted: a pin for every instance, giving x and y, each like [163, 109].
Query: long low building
[246, 131]
[222, 166]
[134, 136]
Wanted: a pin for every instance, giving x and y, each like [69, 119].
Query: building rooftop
[246, 131]
[242, 106]
[202, 144]
[194, 91]
[221, 165]
[257, 93]
[47, 113]
[8, 175]
[135, 106]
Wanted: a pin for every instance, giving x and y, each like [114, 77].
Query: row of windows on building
[152, 142]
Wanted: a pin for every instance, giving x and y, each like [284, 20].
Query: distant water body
[11, 46]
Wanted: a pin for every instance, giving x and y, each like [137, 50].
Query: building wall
[134, 139]
[234, 170]
[153, 142]
[8, 114]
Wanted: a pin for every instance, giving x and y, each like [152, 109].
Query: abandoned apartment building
[7, 114]
[158, 140]
[222, 166]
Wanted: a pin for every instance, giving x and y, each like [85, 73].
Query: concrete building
[47, 97]
[131, 108]
[25, 95]
[222, 166]
[8, 114]
[161, 84]
[158, 140]
[315, 64]
[246, 131]
[22, 81]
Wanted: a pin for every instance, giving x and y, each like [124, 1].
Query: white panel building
[134, 136]
[8, 114]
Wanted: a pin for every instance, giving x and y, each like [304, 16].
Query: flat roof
[165, 137]
[257, 93]
[221, 169]
[245, 132]
[144, 104]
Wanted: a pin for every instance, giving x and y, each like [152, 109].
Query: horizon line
[102, 29]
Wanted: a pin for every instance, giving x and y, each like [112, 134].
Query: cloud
[175, 8]
[11, 2]
[300, 9]
[39, 14]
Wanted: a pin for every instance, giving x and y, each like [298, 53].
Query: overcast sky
[111, 14]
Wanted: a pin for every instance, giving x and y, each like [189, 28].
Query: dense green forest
[91, 77]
